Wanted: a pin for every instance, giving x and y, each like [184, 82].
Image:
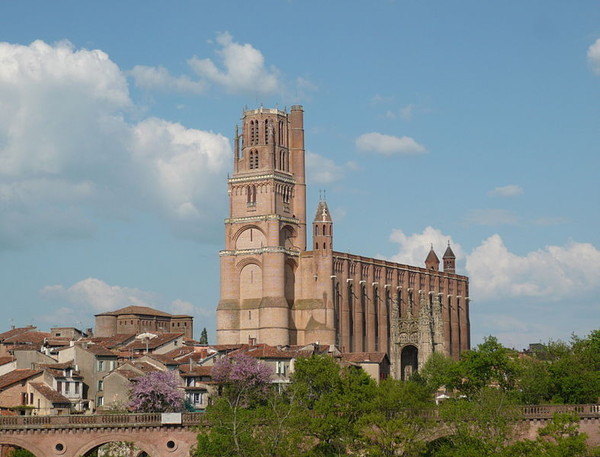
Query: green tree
[440, 370]
[562, 372]
[398, 422]
[480, 427]
[489, 364]
[560, 438]
[203, 337]
[249, 417]
[330, 402]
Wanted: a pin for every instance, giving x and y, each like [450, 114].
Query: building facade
[142, 319]
[274, 290]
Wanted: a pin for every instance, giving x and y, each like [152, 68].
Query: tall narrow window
[363, 306]
[376, 306]
[251, 197]
[351, 316]
[280, 132]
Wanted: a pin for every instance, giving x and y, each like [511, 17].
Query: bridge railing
[532, 412]
[547, 411]
[94, 421]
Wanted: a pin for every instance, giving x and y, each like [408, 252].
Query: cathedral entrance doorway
[409, 359]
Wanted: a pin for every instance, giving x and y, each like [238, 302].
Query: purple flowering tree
[156, 392]
[242, 377]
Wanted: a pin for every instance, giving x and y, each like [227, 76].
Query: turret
[322, 228]
[449, 260]
[432, 262]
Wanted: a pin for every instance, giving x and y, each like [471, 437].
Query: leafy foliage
[20, 452]
[157, 391]
[248, 418]
[328, 410]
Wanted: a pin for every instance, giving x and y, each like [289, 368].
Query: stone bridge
[173, 435]
[168, 435]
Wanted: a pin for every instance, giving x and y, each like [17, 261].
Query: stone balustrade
[532, 412]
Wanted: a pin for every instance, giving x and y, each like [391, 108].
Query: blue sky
[426, 121]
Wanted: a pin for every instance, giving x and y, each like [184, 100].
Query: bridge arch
[143, 445]
[22, 443]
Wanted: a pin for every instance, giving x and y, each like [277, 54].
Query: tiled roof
[30, 337]
[198, 354]
[49, 393]
[165, 359]
[179, 352]
[15, 376]
[97, 349]
[263, 351]
[144, 366]
[144, 310]
[16, 331]
[195, 371]
[114, 341]
[161, 338]
[5, 360]
[58, 366]
[129, 374]
[364, 357]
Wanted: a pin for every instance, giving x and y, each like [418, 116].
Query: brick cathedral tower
[277, 290]
[266, 228]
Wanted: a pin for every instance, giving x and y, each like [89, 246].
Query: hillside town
[71, 371]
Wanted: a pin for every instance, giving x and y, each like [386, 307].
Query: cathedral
[275, 289]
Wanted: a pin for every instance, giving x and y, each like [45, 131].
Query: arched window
[268, 130]
[251, 197]
[280, 132]
[316, 230]
[253, 159]
[253, 132]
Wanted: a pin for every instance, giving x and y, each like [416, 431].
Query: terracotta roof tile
[30, 337]
[115, 341]
[16, 331]
[161, 338]
[180, 352]
[50, 393]
[7, 359]
[97, 349]
[15, 376]
[196, 371]
[144, 310]
[364, 357]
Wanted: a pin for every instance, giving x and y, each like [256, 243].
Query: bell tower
[266, 228]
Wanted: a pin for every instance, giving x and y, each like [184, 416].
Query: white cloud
[98, 296]
[79, 302]
[159, 78]
[555, 272]
[491, 217]
[414, 248]
[68, 155]
[512, 190]
[388, 145]
[593, 55]
[322, 170]
[243, 70]
[553, 291]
